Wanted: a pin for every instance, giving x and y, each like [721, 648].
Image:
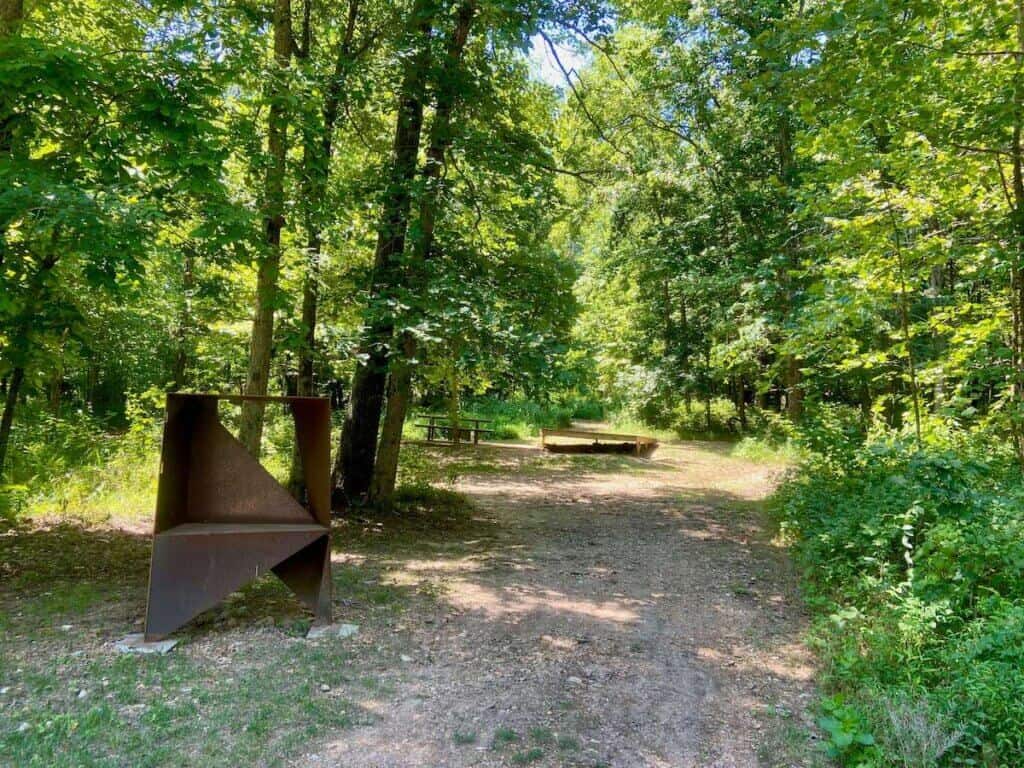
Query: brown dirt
[619, 612]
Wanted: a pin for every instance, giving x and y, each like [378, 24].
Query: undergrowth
[913, 563]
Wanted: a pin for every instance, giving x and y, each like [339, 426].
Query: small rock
[324, 687]
[23, 727]
[332, 630]
[82, 694]
[66, 627]
[405, 658]
[574, 680]
[136, 643]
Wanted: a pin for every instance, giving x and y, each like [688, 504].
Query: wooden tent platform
[600, 442]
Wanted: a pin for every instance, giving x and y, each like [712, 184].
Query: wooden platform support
[601, 442]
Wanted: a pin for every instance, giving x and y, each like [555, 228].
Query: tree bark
[794, 392]
[1017, 266]
[19, 350]
[251, 430]
[400, 384]
[353, 469]
[741, 402]
[790, 364]
[385, 469]
[316, 165]
[12, 13]
[184, 323]
[7, 421]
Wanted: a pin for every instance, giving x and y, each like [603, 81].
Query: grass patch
[65, 600]
[765, 452]
[354, 584]
[568, 744]
[528, 756]
[542, 735]
[503, 737]
[468, 737]
[423, 516]
[174, 710]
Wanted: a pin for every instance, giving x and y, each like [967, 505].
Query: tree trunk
[905, 319]
[57, 378]
[794, 392]
[20, 348]
[184, 323]
[316, 165]
[385, 469]
[400, 387]
[12, 13]
[7, 421]
[1017, 267]
[791, 366]
[741, 402]
[251, 430]
[353, 467]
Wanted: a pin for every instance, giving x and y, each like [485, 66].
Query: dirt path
[629, 613]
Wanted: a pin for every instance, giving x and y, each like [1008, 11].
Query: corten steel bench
[440, 429]
[601, 442]
[223, 521]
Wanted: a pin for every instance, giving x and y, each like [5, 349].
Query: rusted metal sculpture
[223, 521]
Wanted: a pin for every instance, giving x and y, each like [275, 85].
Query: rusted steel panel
[223, 521]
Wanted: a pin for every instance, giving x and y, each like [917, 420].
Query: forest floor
[579, 611]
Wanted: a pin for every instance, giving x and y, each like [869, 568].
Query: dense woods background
[798, 222]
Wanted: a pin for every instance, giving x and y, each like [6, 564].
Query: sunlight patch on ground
[516, 601]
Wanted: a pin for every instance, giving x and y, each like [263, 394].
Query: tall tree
[449, 85]
[269, 261]
[353, 467]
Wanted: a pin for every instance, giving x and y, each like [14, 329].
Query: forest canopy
[772, 205]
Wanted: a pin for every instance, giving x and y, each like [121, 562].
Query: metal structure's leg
[192, 572]
[308, 574]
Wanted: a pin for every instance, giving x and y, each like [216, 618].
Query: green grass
[568, 744]
[245, 686]
[542, 735]
[503, 737]
[528, 756]
[760, 450]
[66, 600]
[516, 418]
[174, 710]
[467, 737]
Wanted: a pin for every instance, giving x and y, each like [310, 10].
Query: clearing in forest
[580, 611]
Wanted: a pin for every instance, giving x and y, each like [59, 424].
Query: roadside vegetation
[913, 559]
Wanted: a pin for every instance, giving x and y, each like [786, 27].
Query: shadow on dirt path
[620, 612]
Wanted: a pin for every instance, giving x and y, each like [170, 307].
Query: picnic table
[442, 429]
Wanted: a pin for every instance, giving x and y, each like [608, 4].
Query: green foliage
[914, 560]
[520, 418]
[846, 738]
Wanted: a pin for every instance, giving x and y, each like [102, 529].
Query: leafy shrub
[847, 738]
[914, 562]
[520, 418]
[694, 422]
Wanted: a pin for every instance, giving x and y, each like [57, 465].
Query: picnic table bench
[441, 429]
[601, 442]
